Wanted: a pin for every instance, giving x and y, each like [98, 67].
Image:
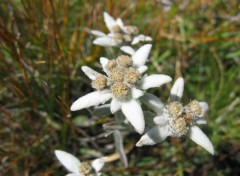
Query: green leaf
[233, 54]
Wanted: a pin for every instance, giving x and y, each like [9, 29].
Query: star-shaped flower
[177, 120]
[77, 168]
[124, 83]
[119, 34]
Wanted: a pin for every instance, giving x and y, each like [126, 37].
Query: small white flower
[176, 120]
[119, 35]
[77, 168]
[124, 83]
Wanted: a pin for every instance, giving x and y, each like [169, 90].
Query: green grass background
[44, 43]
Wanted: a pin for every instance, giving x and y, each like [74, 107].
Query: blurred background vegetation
[43, 44]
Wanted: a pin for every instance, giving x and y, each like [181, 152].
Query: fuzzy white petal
[177, 90]
[153, 136]
[141, 55]
[120, 23]
[105, 41]
[104, 62]
[139, 38]
[155, 80]
[136, 93]
[91, 99]
[109, 20]
[160, 120]
[92, 74]
[115, 105]
[201, 139]
[134, 114]
[98, 33]
[152, 102]
[136, 40]
[142, 69]
[98, 164]
[147, 38]
[200, 121]
[128, 49]
[204, 107]
[70, 162]
[111, 34]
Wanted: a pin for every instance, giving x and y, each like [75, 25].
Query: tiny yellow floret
[118, 38]
[100, 82]
[111, 65]
[119, 89]
[117, 74]
[116, 29]
[174, 109]
[178, 126]
[124, 61]
[132, 30]
[85, 168]
[195, 108]
[132, 76]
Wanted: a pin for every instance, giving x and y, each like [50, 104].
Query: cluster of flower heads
[175, 119]
[120, 35]
[124, 81]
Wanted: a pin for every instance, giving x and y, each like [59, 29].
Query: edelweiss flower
[119, 35]
[124, 84]
[77, 168]
[176, 120]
